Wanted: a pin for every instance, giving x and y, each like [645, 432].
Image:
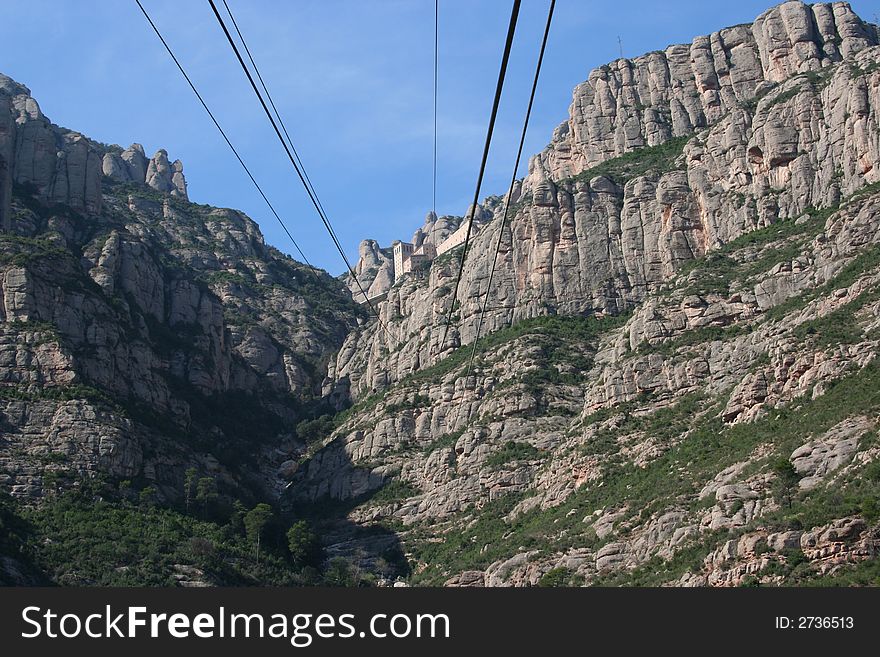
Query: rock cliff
[676, 383]
[139, 331]
[686, 293]
[599, 235]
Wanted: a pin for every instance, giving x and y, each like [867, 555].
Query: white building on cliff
[409, 258]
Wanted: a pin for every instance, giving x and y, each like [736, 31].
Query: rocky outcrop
[164, 176]
[645, 101]
[724, 196]
[374, 270]
[64, 167]
[128, 166]
[817, 459]
[136, 329]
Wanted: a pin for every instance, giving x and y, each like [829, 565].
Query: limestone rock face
[130, 319]
[166, 176]
[604, 239]
[647, 100]
[717, 204]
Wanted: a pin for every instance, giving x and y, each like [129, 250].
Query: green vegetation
[664, 425]
[56, 393]
[786, 479]
[255, 522]
[783, 97]
[27, 195]
[15, 540]
[446, 440]
[395, 490]
[312, 431]
[558, 577]
[512, 451]
[89, 536]
[771, 245]
[864, 573]
[448, 257]
[816, 80]
[699, 445]
[304, 545]
[417, 401]
[17, 250]
[640, 162]
[558, 328]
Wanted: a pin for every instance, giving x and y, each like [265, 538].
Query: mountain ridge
[676, 384]
[722, 239]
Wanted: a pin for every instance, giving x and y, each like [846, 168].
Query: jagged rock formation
[648, 100]
[131, 165]
[723, 197]
[374, 270]
[65, 167]
[677, 381]
[61, 166]
[128, 166]
[165, 176]
[602, 240]
[139, 331]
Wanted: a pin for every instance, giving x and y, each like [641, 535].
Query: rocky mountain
[375, 265]
[677, 379]
[675, 383]
[139, 330]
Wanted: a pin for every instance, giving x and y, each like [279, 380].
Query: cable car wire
[511, 30]
[225, 137]
[299, 173]
[519, 151]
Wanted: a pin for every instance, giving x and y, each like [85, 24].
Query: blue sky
[352, 79]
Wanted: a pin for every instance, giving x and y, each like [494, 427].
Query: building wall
[415, 261]
[453, 240]
[402, 252]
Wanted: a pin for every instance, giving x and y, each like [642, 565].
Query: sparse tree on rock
[255, 522]
[206, 491]
[188, 485]
[787, 479]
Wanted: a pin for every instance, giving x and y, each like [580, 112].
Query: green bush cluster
[512, 451]
[702, 447]
[90, 536]
[639, 162]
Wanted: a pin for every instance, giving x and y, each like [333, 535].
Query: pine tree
[188, 483]
[206, 490]
[255, 523]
